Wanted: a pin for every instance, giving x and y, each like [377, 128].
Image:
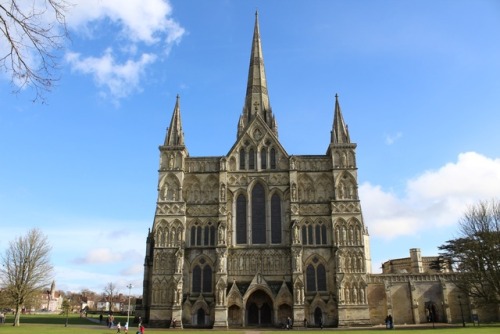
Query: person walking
[118, 327]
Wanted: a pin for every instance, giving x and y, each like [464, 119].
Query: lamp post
[461, 310]
[130, 286]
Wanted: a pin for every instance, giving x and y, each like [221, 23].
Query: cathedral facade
[257, 236]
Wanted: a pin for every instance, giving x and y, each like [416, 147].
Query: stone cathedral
[258, 236]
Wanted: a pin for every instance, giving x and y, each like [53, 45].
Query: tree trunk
[17, 316]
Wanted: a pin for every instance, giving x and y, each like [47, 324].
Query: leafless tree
[32, 32]
[110, 291]
[26, 269]
[476, 252]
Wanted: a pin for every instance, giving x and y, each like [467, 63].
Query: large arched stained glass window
[241, 220]
[258, 215]
[275, 219]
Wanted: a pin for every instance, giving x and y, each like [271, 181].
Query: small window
[242, 159]
[198, 236]
[193, 235]
[263, 158]
[251, 159]
[323, 234]
[304, 235]
[273, 158]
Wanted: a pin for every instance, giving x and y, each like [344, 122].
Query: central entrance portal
[259, 309]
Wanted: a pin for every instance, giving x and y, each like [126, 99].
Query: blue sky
[418, 83]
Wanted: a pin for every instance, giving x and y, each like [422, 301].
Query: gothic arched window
[241, 220]
[202, 277]
[242, 159]
[209, 235]
[263, 158]
[197, 279]
[310, 278]
[316, 276]
[273, 158]
[275, 219]
[304, 235]
[193, 235]
[323, 234]
[198, 235]
[310, 239]
[258, 215]
[251, 159]
[207, 279]
[321, 277]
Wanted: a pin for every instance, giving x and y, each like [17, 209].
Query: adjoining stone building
[413, 291]
[258, 235]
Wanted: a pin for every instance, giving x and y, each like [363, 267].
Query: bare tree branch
[33, 31]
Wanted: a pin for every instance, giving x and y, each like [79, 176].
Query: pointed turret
[175, 136]
[340, 132]
[257, 98]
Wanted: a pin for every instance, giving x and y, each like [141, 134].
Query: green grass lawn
[55, 324]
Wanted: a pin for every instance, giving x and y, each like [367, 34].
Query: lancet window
[315, 276]
[203, 235]
[202, 277]
[263, 224]
[314, 234]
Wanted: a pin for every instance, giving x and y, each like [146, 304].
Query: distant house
[87, 303]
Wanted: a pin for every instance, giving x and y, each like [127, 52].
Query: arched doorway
[200, 317]
[318, 317]
[431, 312]
[259, 309]
[284, 311]
[234, 315]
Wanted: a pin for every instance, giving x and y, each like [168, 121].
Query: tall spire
[175, 136]
[340, 132]
[257, 98]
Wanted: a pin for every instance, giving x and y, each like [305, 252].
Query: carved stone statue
[296, 232]
[179, 260]
[221, 234]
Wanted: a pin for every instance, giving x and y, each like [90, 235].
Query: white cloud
[129, 26]
[147, 21]
[120, 79]
[436, 198]
[100, 255]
